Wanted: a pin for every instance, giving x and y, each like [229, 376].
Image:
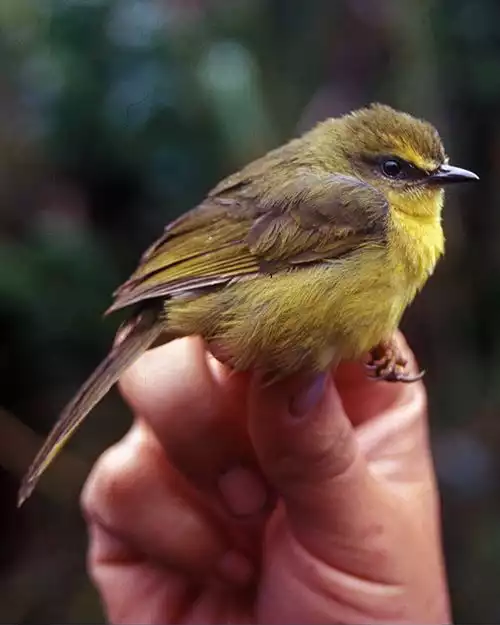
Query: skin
[310, 500]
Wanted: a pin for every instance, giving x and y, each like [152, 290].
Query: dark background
[117, 115]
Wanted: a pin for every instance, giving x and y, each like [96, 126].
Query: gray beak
[447, 174]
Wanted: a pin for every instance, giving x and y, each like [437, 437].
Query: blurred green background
[116, 116]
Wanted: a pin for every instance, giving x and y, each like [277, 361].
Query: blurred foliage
[117, 115]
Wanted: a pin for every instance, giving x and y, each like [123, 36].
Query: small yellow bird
[307, 256]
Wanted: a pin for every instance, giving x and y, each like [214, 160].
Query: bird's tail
[140, 333]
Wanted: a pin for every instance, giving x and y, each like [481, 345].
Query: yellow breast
[315, 316]
[415, 245]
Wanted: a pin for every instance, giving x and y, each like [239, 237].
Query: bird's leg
[386, 362]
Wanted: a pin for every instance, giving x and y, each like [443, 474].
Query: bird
[307, 256]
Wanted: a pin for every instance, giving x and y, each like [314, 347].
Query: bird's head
[403, 157]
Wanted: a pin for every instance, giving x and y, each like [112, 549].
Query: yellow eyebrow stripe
[407, 153]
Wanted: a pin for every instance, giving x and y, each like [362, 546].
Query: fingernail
[235, 568]
[243, 491]
[305, 400]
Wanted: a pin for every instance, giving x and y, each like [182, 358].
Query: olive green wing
[246, 231]
[334, 215]
[203, 248]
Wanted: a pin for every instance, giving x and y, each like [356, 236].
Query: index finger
[196, 415]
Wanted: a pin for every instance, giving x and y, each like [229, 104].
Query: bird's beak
[447, 174]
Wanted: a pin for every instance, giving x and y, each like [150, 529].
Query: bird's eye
[391, 168]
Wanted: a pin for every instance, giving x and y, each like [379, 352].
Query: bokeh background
[116, 116]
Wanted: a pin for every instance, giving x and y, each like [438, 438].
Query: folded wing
[245, 231]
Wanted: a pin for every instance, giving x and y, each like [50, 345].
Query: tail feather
[141, 332]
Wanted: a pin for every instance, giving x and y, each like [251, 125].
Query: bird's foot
[386, 362]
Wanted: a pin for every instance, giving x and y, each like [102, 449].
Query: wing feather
[247, 231]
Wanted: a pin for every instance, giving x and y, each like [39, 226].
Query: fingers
[308, 450]
[305, 442]
[135, 496]
[191, 425]
[134, 590]
[195, 409]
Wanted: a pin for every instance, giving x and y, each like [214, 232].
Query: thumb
[308, 450]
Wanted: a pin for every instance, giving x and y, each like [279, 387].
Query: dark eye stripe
[408, 171]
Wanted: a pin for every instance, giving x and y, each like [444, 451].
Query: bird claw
[394, 376]
[387, 363]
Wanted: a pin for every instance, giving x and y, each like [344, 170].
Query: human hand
[232, 502]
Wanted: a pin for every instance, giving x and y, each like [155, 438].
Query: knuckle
[337, 453]
[113, 482]
[318, 457]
